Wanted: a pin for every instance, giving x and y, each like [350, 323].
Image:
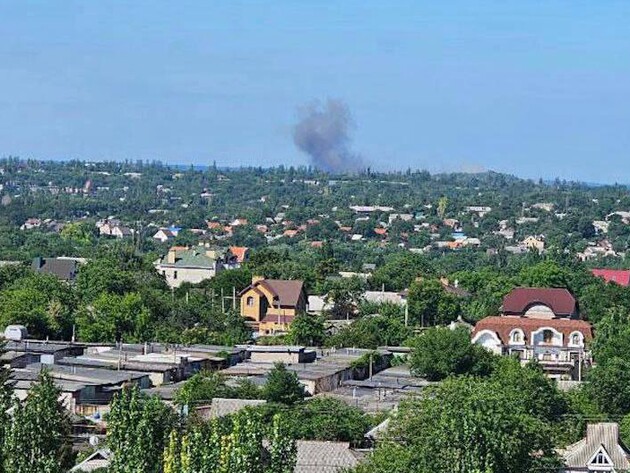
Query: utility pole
[371, 369]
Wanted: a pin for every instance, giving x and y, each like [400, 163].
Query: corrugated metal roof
[604, 434]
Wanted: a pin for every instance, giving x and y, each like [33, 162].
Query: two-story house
[182, 265]
[272, 304]
[542, 324]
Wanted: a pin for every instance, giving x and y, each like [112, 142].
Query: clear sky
[530, 87]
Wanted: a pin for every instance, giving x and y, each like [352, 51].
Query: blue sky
[534, 88]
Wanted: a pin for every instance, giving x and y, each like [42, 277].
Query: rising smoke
[322, 133]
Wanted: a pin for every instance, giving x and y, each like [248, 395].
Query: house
[189, 265]
[163, 235]
[63, 268]
[120, 231]
[617, 276]
[385, 297]
[623, 215]
[97, 461]
[31, 223]
[237, 256]
[601, 226]
[542, 324]
[534, 243]
[600, 451]
[451, 222]
[480, 210]
[272, 304]
[238, 221]
[546, 206]
[596, 251]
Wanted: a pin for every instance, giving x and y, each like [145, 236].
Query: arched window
[517, 336]
[575, 339]
[547, 336]
[250, 301]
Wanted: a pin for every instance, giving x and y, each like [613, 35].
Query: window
[250, 301]
[174, 274]
[517, 336]
[576, 339]
[547, 336]
[600, 459]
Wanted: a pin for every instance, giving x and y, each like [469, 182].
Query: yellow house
[272, 304]
[534, 243]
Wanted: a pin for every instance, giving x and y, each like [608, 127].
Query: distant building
[534, 243]
[539, 324]
[63, 268]
[272, 304]
[193, 266]
[617, 276]
[165, 234]
[237, 256]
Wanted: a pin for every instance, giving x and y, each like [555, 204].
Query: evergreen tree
[283, 386]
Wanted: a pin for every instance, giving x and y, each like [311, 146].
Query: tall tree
[37, 441]
[137, 432]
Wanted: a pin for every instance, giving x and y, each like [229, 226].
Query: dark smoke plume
[322, 133]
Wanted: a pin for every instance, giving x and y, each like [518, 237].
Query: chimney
[170, 257]
[255, 279]
[444, 281]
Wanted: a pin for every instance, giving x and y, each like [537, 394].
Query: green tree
[440, 352]
[282, 386]
[37, 440]
[344, 295]
[326, 418]
[137, 432]
[465, 425]
[608, 384]
[544, 274]
[113, 317]
[103, 275]
[283, 449]
[430, 304]
[307, 330]
[372, 332]
[202, 388]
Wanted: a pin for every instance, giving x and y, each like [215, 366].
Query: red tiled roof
[618, 276]
[503, 325]
[240, 252]
[380, 231]
[560, 301]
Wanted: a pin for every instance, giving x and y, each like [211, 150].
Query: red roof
[503, 325]
[240, 252]
[560, 301]
[618, 276]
